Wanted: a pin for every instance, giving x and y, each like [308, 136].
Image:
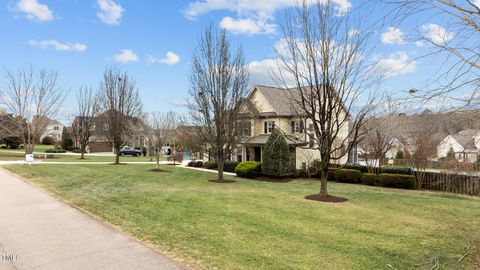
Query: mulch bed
[158, 170]
[171, 164]
[118, 163]
[222, 181]
[326, 198]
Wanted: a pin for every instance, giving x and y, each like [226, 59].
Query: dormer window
[56, 128]
[268, 127]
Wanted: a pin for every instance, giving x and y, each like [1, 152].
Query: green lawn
[261, 225]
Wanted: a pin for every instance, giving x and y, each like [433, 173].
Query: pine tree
[276, 155]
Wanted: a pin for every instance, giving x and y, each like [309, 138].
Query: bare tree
[31, 99]
[420, 149]
[83, 126]
[218, 82]
[455, 41]
[325, 57]
[121, 109]
[162, 128]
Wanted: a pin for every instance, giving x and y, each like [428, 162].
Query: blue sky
[153, 41]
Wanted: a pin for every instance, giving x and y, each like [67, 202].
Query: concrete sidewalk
[38, 231]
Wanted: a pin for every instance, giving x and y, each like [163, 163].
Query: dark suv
[130, 151]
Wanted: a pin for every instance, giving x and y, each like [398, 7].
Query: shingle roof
[280, 99]
[466, 138]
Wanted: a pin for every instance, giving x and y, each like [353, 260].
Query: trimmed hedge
[194, 163]
[357, 167]
[55, 151]
[229, 166]
[249, 169]
[347, 175]
[397, 181]
[396, 170]
[210, 165]
[370, 179]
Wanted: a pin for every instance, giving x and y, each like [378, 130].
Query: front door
[258, 154]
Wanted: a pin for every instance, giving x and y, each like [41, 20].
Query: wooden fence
[454, 183]
[438, 165]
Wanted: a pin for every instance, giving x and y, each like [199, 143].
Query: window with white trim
[268, 127]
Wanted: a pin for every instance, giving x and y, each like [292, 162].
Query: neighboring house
[53, 129]
[396, 146]
[267, 108]
[465, 145]
[99, 142]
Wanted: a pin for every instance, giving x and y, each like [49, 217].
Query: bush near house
[198, 164]
[347, 176]
[48, 140]
[370, 179]
[396, 170]
[357, 167]
[211, 165]
[397, 181]
[55, 150]
[331, 174]
[276, 155]
[229, 166]
[249, 169]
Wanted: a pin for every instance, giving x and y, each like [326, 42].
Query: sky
[154, 40]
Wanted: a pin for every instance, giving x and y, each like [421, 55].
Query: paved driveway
[38, 231]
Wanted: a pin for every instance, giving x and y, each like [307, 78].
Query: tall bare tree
[218, 82]
[324, 55]
[162, 128]
[121, 109]
[31, 100]
[83, 126]
[454, 40]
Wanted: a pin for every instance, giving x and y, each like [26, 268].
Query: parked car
[130, 151]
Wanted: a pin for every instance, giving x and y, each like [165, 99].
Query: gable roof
[466, 138]
[280, 100]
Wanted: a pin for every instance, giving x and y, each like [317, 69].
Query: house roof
[466, 138]
[280, 99]
[262, 140]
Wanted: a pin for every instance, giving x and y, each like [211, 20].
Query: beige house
[53, 129]
[267, 108]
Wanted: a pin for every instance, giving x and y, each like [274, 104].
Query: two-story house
[267, 108]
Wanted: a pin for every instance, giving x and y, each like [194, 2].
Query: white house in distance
[465, 145]
[54, 129]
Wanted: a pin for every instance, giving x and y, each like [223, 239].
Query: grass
[261, 225]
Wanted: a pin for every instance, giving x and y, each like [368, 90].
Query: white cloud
[395, 64]
[126, 56]
[255, 16]
[178, 102]
[110, 12]
[436, 34]
[393, 35]
[34, 10]
[58, 46]
[170, 59]
[247, 26]
[264, 8]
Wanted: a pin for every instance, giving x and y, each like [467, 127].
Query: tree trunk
[82, 152]
[157, 156]
[220, 169]
[117, 156]
[323, 183]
